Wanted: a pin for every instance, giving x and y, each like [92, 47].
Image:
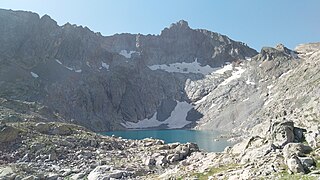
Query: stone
[311, 139]
[42, 127]
[294, 165]
[61, 129]
[8, 134]
[295, 149]
[173, 157]
[78, 176]
[5, 172]
[100, 173]
[149, 161]
[29, 178]
[161, 160]
[53, 156]
[282, 133]
[117, 174]
[307, 162]
[52, 176]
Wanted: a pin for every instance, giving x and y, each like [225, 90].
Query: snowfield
[176, 120]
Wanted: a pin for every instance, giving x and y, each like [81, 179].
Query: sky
[255, 22]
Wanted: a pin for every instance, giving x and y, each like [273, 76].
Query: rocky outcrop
[8, 133]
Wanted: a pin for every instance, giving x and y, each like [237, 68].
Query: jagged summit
[182, 24]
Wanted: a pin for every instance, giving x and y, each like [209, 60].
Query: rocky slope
[113, 82]
[63, 151]
[284, 140]
[51, 76]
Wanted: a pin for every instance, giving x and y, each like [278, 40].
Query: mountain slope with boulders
[113, 82]
[53, 77]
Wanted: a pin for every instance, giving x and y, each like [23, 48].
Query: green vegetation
[214, 171]
[286, 176]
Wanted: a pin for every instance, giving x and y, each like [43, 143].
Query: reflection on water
[206, 140]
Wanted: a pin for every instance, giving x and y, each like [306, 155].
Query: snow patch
[105, 65]
[184, 67]
[58, 61]
[284, 74]
[176, 120]
[127, 54]
[201, 100]
[224, 69]
[212, 105]
[71, 69]
[250, 82]
[34, 75]
[245, 100]
[235, 75]
[248, 58]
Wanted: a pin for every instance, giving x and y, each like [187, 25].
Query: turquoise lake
[206, 140]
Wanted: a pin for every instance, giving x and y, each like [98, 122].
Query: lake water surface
[206, 140]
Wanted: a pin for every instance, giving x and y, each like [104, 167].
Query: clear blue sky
[256, 22]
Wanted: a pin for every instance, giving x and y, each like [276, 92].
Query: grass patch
[286, 176]
[215, 170]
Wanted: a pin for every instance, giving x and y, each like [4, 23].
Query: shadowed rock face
[100, 82]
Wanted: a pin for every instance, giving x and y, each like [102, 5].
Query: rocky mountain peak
[182, 24]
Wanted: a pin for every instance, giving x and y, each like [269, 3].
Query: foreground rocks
[64, 151]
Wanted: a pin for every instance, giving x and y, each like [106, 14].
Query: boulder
[312, 139]
[8, 134]
[78, 176]
[295, 149]
[295, 165]
[282, 133]
[5, 172]
[161, 160]
[99, 173]
[61, 129]
[307, 162]
[42, 127]
[149, 161]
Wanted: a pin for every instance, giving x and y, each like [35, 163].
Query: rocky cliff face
[113, 82]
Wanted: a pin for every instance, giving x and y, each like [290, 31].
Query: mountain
[113, 82]
[266, 102]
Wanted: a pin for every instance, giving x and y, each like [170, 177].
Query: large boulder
[295, 149]
[282, 133]
[42, 127]
[295, 165]
[99, 173]
[8, 134]
[61, 129]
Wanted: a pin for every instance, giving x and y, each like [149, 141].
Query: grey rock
[61, 130]
[282, 133]
[99, 173]
[295, 149]
[161, 160]
[29, 178]
[149, 161]
[78, 176]
[42, 127]
[8, 134]
[295, 165]
[307, 162]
